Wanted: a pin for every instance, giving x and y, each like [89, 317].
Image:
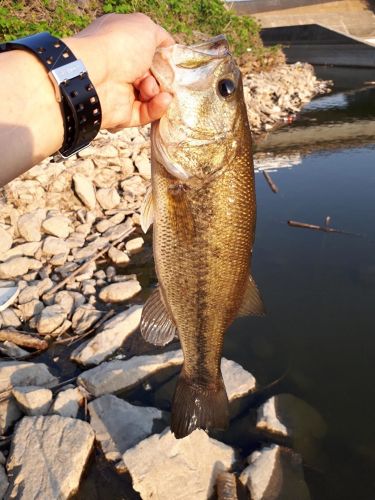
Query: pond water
[319, 288]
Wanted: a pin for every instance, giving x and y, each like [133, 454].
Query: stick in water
[271, 184]
[325, 229]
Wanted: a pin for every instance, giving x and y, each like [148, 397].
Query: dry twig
[23, 339]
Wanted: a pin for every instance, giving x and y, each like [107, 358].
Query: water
[319, 291]
[319, 288]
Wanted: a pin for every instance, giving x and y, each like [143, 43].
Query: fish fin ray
[147, 211]
[252, 304]
[157, 327]
[196, 407]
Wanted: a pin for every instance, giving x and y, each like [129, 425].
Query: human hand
[117, 50]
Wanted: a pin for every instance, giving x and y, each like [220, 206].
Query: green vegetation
[189, 20]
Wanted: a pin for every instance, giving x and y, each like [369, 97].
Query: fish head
[197, 134]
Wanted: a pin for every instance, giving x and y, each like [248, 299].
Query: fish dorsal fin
[252, 304]
[147, 211]
[157, 327]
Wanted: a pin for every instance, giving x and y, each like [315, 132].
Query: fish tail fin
[197, 407]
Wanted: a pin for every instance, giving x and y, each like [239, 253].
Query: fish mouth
[202, 58]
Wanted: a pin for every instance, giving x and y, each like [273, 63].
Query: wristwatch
[74, 91]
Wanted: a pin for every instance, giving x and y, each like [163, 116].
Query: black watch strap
[79, 100]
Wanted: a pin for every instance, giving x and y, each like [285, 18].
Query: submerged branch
[315, 227]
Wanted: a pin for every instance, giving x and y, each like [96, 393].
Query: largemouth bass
[203, 208]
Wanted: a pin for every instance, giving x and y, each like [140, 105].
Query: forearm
[31, 125]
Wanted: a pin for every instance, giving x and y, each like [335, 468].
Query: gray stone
[275, 473]
[66, 301]
[64, 327]
[85, 190]
[115, 232]
[143, 164]
[24, 373]
[84, 318]
[18, 266]
[50, 319]
[4, 483]
[115, 376]
[134, 246]
[134, 186]
[105, 224]
[30, 309]
[58, 225]
[24, 250]
[33, 400]
[113, 334]
[9, 318]
[29, 225]
[12, 350]
[48, 456]
[9, 414]
[67, 403]
[29, 293]
[108, 198]
[119, 426]
[120, 292]
[55, 246]
[6, 240]
[118, 257]
[8, 295]
[188, 467]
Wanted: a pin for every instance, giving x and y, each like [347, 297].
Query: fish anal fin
[196, 407]
[252, 304]
[147, 211]
[157, 326]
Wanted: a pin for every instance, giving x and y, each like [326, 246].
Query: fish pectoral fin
[157, 326]
[252, 304]
[147, 211]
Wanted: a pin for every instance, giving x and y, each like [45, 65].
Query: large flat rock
[115, 376]
[275, 473]
[111, 337]
[23, 373]
[164, 467]
[47, 457]
[118, 425]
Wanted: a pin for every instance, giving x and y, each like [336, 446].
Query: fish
[203, 209]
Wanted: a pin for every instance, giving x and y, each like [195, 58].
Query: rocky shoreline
[69, 232]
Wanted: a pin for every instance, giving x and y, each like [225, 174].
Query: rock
[29, 293]
[12, 350]
[275, 473]
[30, 309]
[84, 318]
[105, 224]
[75, 240]
[59, 259]
[106, 151]
[55, 246]
[51, 318]
[119, 426]
[112, 335]
[118, 257]
[108, 198]
[115, 232]
[110, 272]
[24, 250]
[9, 414]
[85, 190]
[33, 400]
[133, 187]
[64, 327]
[88, 289]
[4, 483]
[18, 266]
[68, 402]
[143, 164]
[48, 456]
[24, 373]
[29, 225]
[8, 295]
[114, 376]
[9, 318]
[238, 382]
[6, 240]
[66, 301]
[120, 292]
[188, 467]
[58, 225]
[134, 246]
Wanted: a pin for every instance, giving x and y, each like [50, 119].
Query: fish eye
[226, 87]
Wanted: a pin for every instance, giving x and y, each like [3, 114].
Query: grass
[188, 20]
